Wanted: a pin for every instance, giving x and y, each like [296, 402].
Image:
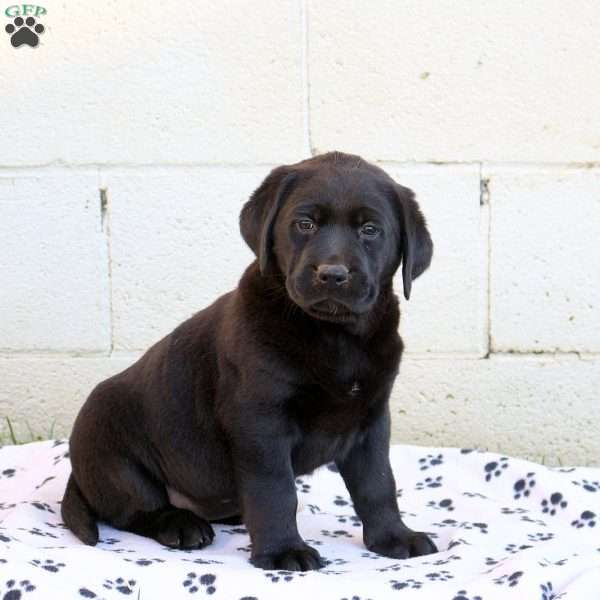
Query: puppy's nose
[332, 275]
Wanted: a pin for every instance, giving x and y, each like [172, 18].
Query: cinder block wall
[133, 134]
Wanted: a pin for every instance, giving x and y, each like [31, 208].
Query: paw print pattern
[145, 562]
[430, 461]
[353, 520]
[284, 576]
[462, 595]
[445, 504]
[540, 537]
[429, 482]
[588, 486]
[522, 487]
[513, 548]
[14, 589]
[551, 506]
[24, 32]
[340, 501]
[335, 534]
[495, 468]
[548, 592]
[193, 583]
[587, 517]
[439, 576]
[120, 584]
[511, 580]
[48, 565]
[407, 583]
[302, 487]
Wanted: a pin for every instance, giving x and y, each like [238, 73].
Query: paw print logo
[495, 468]
[551, 506]
[429, 482]
[430, 461]
[283, 576]
[462, 595]
[513, 548]
[586, 518]
[439, 576]
[14, 589]
[302, 487]
[540, 536]
[588, 486]
[523, 487]
[193, 583]
[119, 584]
[511, 580]
[408, 583]
[24, 32]
[548, 592]
[445, 504]
[48, 565]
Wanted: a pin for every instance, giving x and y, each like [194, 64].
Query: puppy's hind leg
[134, 501]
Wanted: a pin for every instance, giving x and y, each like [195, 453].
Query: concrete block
[447, 311]
[40, 391]
[448, 81]
[175, 245]
[545, 259]
[149, 82]
[54, 263]
[539, 407]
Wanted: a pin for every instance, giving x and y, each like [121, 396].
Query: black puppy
[291, 370]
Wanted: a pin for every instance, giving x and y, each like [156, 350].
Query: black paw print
[429, 482]
[15, 588]
[540, 537]
[313, 508]
[283, 575]
[462, 595]
[495, 468]
[43, 506]
[119, 584]
[589, 486]
[193, 583]
[548, 592]
[145, 562]
[48, 565]
[445, 504]
[513, 548]
[340, 501]
[407, 583]
[21, 32]
[430, 461]
[8, 473]
[301, 486]
[353, 520]
[439, 576]
[586, 518]
[507, 510]
[335, 534]
[511, 580]
[523, 487]
[556, 501]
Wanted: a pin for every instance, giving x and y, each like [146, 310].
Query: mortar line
[306, 79]
[107, 221]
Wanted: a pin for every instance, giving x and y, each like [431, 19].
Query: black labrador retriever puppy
[290, 371]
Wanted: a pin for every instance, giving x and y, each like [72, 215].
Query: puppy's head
[337, 228]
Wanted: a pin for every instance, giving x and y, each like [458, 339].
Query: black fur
[291, 370]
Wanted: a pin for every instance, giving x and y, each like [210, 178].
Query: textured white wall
[177, 110]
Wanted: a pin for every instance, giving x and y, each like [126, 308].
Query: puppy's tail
[78, 515]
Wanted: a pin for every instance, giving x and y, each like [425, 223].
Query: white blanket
[505, 528]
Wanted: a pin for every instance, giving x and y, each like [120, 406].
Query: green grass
[13, 438]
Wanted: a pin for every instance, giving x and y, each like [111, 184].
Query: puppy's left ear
[258, 215]
[416, 247]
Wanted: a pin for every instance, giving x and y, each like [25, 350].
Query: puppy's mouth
[330, 310]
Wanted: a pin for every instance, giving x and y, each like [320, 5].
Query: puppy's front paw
[407, 545]
[303, 558]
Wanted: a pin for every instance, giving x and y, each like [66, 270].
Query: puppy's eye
[306, 225]
[369, 230]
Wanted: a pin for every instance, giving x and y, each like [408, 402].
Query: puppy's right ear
[259, 214]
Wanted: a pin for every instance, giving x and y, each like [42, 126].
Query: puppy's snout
[332, 276]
